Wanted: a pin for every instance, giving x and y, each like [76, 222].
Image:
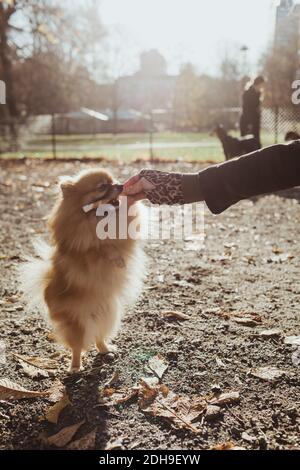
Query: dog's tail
[34, 274]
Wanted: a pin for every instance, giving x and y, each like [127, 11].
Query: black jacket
[265, 171]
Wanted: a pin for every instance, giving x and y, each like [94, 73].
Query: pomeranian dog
[84, 280]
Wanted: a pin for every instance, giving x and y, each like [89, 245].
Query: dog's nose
[118, 187]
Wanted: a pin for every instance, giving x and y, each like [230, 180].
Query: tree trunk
[11, 110]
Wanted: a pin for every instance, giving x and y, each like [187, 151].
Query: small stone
[216, 388]
[246, 437]
[109, 357]
[263, 443]
[213, 412]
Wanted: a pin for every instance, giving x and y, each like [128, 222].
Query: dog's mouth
[109, 196]
[114, 202]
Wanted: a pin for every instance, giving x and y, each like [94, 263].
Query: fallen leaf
[246, 321]
[181, 411]
[268, 373]
[86, 442]
[56, 391]
[134, 445]
[276, 250]
[176, 315]
[280, 258]
[41, 362]
[148, 392]
[114, 378]
[246, 437]
[274, 333]
[227, 398]
[111, 396]
[293, 340]
[227, 446]
[30, 370]
[41, 184]
[54, 411]
[51, 336]
[114, 445]
[220, 363]
[64, 436]
[11, 391]
[221, 259]
[243, 318]
[158, 365]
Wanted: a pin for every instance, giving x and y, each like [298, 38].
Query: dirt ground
[249, 268]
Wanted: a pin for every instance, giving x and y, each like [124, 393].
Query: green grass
[114, 147]
[211, 155]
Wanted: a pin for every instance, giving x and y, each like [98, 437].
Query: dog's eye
[102, 186]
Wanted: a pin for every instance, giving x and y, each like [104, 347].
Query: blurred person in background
[251, 114]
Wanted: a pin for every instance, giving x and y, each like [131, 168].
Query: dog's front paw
[105, 348]
[74, 369]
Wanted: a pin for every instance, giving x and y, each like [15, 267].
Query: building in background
[149, 88]
[286, 24]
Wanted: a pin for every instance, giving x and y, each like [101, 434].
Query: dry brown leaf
[268, 373]
[30, 370]
[173, 315]
[56, 391]
[40, 362]
[243, 318]
[180, 411]
[227, 446]
[112, 396]
[54, 411]
[51, 336]
[247, 321]
[11, 391]
[148, 392]
[158, 365]
[86, 442]
[134, 445]
[227, 398]
[277, 251]
[114, 378]
[114, 445]
[273, 333]
[64, 436]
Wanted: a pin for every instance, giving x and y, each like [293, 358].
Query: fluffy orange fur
[83, 280]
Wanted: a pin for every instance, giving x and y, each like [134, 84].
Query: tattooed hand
[157, 186]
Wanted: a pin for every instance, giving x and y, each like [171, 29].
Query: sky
[198, 31]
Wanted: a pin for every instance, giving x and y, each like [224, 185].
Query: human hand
[157, 186]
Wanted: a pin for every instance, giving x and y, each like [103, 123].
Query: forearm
[220, 186]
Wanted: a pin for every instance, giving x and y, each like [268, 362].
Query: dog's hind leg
[72, 335]
[76, 360]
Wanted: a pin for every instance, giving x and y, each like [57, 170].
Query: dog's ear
[66, 185]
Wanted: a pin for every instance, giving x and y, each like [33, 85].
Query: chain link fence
[278, 121]
[44, 136]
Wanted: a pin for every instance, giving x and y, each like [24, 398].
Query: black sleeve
[268, 170]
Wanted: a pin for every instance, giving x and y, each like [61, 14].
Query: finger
[136, 188]
[131, 181]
